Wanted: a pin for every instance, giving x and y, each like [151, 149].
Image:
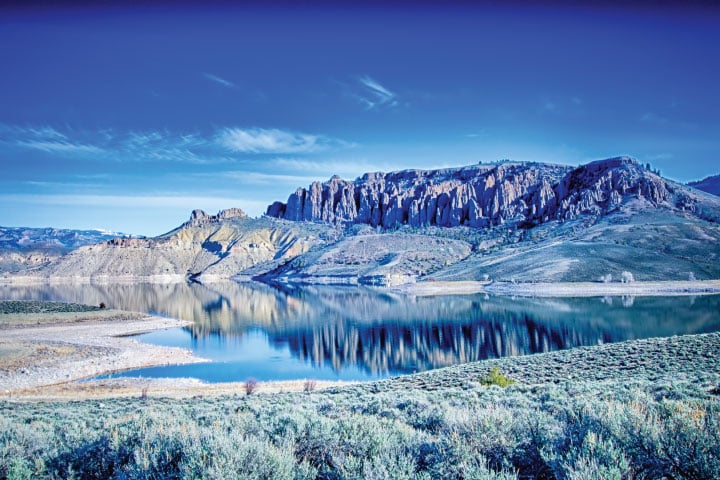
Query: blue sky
[127, 117]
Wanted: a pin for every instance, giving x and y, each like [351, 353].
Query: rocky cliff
[479, 195]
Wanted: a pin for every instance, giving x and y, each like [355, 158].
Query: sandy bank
[426, 288]
[45, 355]
[16, 279]
[162, 388]
[37, 352]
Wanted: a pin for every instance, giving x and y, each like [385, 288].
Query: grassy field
[641, 409]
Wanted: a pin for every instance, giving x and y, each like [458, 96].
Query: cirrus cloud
[273, 140]
[225, 145]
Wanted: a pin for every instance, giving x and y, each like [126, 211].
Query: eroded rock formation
[477, 196]
[198, 218]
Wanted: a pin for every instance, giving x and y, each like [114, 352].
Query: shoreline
[562, 289]
[178, 388]
[66, 349]
[440, 287]
[56, 355]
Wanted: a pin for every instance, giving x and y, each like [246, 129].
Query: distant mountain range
[708, 184]
[523, 222]
[22, 247]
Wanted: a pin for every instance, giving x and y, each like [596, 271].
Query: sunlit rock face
[476, 196]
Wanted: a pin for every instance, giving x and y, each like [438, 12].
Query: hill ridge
[480, 195]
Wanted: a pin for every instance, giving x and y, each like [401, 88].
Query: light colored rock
[478, 195]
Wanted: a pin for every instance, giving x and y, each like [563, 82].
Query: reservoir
[251, 330]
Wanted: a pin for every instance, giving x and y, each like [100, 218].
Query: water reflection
[362, 333]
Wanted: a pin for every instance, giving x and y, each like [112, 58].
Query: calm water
[254, 331]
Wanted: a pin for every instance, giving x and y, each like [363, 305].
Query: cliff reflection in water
[383, 333]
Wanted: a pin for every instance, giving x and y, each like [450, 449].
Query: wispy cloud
[482, 133]
[164, 146]
[324, 169]
[218, 80]
[58, 146]
[658, 120]
[225, 145]
[262, 140]
[550, 107]
[650, 117]
[45, 139]
[374, 95]
[187, 202]
[560, 105]
[260, 178]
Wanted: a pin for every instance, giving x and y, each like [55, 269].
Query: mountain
[480, 195]
[22, 247]
[511, 221]
[524, 222]
[708, 184]
[206, 246]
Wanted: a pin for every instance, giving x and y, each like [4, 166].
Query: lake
[353, 333]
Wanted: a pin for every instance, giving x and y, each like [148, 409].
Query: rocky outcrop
[198, 218]
[476, 196]
[601, 186]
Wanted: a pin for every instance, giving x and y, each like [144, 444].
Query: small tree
[627, 277]
[250, 386]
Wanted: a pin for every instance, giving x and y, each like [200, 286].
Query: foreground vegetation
[628, 413]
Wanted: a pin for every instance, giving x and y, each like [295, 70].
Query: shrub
[627, 277]
[496, 377]
[309, 385]
[250, 386]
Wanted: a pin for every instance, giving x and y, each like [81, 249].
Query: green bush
[496, 377]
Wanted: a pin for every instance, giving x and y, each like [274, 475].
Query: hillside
[518, 222]
[511, 222]
[708, 184]
[206, 246]
[22, 247]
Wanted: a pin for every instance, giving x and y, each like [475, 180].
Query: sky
[126, 117]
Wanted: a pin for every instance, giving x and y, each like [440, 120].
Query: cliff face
[476, 196]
